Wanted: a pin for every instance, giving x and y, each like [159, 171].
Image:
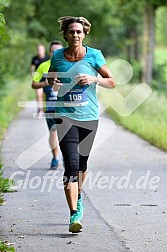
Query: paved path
[124, 195]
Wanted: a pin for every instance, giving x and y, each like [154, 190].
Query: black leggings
[75, 140]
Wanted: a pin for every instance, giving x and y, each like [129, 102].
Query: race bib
[76, 97]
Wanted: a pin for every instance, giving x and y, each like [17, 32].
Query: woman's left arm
[106, 79]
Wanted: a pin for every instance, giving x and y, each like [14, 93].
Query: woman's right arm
[51, 76]
[52, 79]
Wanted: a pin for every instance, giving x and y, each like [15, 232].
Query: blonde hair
[65, 21]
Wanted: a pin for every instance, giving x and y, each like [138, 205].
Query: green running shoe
[80, 208]
[75, 224]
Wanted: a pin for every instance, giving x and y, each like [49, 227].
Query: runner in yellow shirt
[50, 98]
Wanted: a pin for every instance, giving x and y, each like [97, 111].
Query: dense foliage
[117, 28]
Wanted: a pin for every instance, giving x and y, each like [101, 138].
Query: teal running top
[73, 101]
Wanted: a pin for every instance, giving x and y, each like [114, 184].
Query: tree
[129, 12]
[4, 37]
[149, 38]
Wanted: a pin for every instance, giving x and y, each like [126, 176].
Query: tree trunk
[132, 46]
[136, 45]
[148, 44]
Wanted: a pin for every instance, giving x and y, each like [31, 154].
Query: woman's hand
[56, 84]
[85, 79]
[53, 80]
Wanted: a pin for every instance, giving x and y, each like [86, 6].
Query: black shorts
[51, 121]
[75, 140]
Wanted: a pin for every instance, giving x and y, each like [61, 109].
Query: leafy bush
[4, 37]
[16, 58]
[137, 71]
[5, 185]
[4, 247]
[160, 77]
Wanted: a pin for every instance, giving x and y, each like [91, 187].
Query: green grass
[160, 54]
[4, 247]
[149, 120]
[161, 60]
[14, 91]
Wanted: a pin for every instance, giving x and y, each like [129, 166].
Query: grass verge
[13, 92]
[149, 120]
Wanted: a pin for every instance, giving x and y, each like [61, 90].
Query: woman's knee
[71, 170]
